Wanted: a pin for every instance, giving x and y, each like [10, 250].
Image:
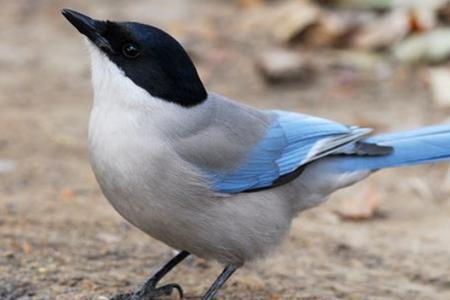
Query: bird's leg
[149, 290]
[151, 283]
[220, 281]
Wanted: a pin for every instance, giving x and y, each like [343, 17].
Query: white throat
[111, 85]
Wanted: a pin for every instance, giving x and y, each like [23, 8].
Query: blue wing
[291, 141]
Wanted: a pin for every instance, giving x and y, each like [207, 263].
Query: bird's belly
[232, 230]
[131, 167]
[125, 184]
[151, 187]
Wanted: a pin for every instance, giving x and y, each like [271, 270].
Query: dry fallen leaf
[362, 207]
[275, 296]
[429, 47]
[248, 4]
[383, 32]
[421, 20]
[292, 18]
[280, 65]
[332, 28]
[26, 247]
[87, 284]
[67, 194]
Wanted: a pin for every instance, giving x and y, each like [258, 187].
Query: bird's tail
[420, 146]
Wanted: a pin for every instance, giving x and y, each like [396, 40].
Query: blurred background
[378, 63]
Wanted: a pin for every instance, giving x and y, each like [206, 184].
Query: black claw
[168, 289]
[150, 293]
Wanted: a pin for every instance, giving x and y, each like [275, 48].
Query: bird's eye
[130, 50]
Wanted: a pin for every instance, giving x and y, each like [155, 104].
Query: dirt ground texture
[60, 239]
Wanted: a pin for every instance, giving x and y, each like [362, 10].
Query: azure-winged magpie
[207, 175]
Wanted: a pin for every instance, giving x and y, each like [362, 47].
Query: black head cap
[150, 57]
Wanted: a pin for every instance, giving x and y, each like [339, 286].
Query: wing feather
[291, 141]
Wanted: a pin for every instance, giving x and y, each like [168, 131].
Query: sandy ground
[60, 239]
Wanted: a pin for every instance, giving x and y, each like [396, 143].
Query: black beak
[91, 28]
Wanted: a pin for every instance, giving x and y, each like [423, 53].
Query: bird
[208, 175]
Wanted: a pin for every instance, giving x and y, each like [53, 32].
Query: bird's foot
[151, 292]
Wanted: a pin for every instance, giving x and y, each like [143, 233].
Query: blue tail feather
[420, 146]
